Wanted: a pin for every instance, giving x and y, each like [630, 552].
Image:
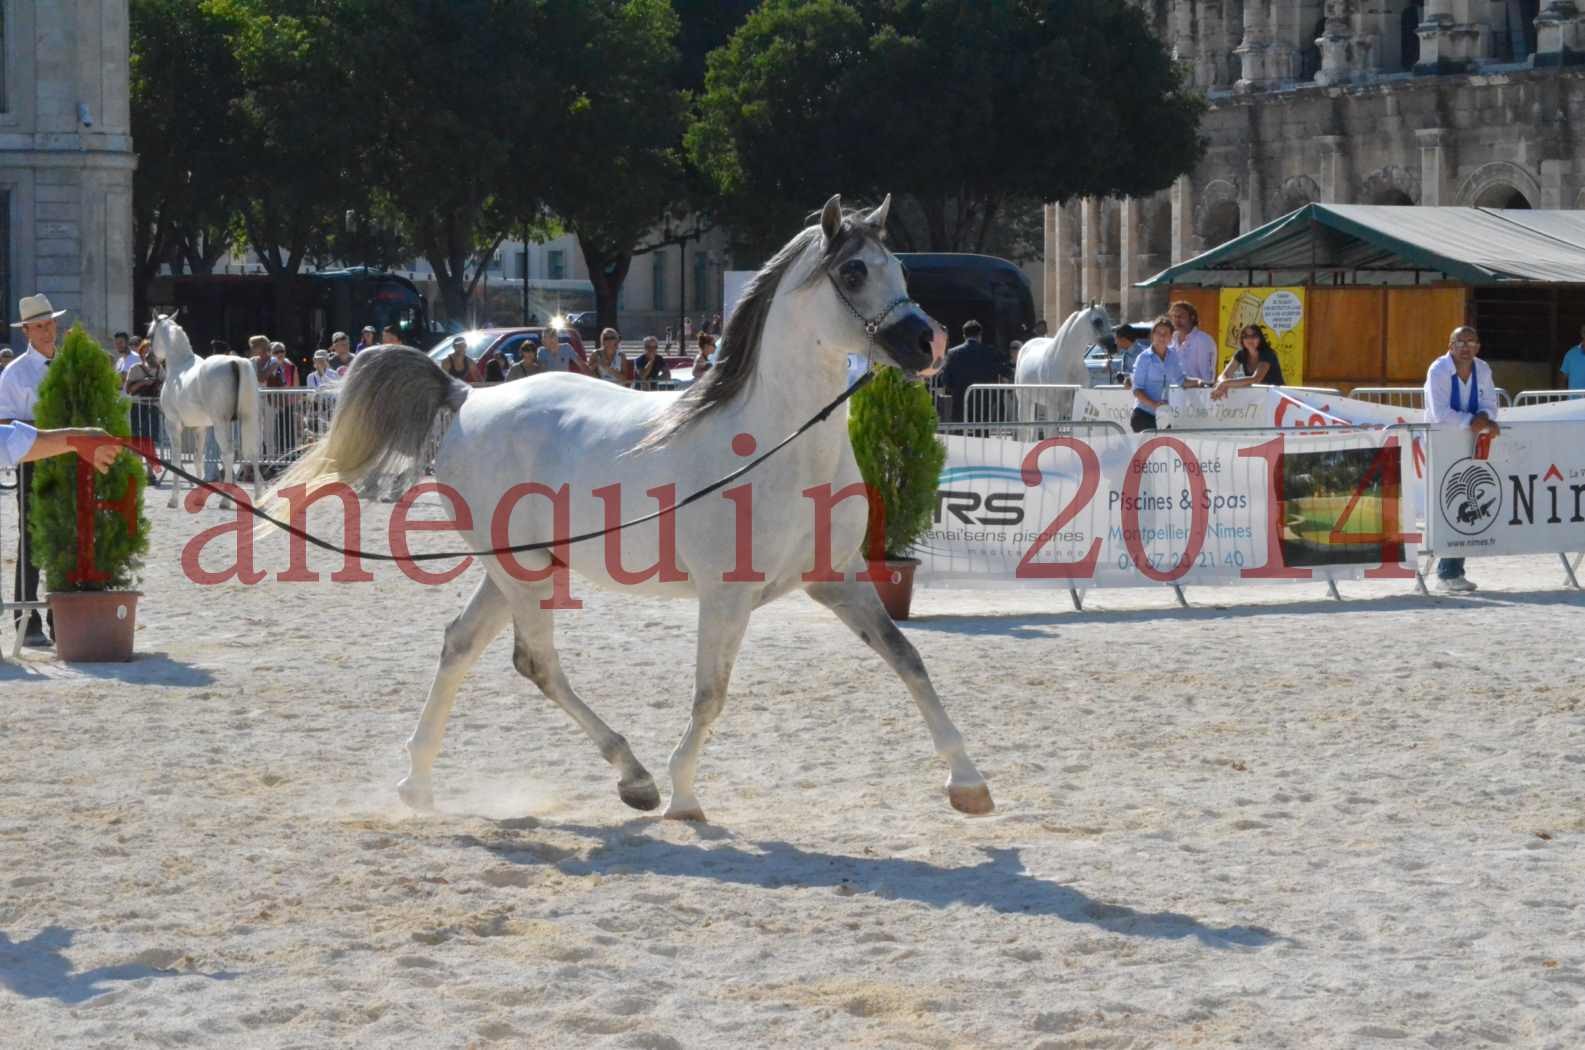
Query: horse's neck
[178, 358]
[795, 375]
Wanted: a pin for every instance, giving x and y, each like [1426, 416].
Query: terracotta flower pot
[94, 626]
[896, 584]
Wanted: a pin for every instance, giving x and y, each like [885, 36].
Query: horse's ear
[877, 218]
[831, 216]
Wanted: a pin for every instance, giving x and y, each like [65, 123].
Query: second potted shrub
[893, 428]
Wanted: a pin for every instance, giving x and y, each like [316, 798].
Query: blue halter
[1474, 393]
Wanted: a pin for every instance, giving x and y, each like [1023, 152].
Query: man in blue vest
[1459, 392]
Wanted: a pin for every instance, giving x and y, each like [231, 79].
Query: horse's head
[870, 309]
[1097, 327]
[166, 335]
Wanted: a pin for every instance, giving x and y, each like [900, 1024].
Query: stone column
[1066, 291]
[1554, 175]
[1049, 258]
[1336, 43]
[1251, 50]
[1451, 38]
[1130, 243]
[1433, 166]
[1183, 241]
[1559, 32]
[1092, 286]
[1334, 168]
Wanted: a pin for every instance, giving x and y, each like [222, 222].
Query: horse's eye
[853, 273]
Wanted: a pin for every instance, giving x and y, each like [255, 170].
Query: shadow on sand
[1025, 624]
[142, 669]
[1000, 882]
[37, 968]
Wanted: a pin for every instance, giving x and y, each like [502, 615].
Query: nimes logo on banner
[1471, 496]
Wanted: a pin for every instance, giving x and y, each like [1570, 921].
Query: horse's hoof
[640, 794]
[417, 794]
[973, 799]
[686, 811]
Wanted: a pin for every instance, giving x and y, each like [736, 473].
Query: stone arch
[1390, 185]
[1216, 202]
[1495, 181]
[1294, 193]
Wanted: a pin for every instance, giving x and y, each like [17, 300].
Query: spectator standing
[278, 362]
[1459, 392]
[650, 368]
[142, 384]
[687, 329]
[493, 372]
[526, 365]
[390, 336]
[457, 364]
[1573, 367]
[19, 388]
[366, 338]
[1255, 362]
[608, 360]
[1132, 340]
[715, 325]
[1196, 349]
[259, 354]
[6, 357]
[341, 353]
[1154, 373]
[706, 357]
[321, 375]
[124, 356]
[969, 363]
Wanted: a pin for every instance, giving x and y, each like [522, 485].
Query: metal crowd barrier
[1000, 402]
[1407, 396]
[1545, 397]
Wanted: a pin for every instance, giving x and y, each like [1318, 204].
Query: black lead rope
[818, 417]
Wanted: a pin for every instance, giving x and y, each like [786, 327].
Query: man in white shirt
[124, 357]
[19, 386]
[1459, 392]
[1196, 349]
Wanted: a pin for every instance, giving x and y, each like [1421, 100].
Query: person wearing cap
[19, 392]
[366, 338]
[340, 353]
[1132, 340]
[6, 357]
[458, 366]
[321, 375]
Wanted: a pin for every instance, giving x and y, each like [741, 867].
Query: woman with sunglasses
[1255, 362]
[608, 362]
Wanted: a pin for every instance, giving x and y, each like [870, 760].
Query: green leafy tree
[892, 424]
[81, 390]
[1007, 102]
[185, 83]
[623, 171]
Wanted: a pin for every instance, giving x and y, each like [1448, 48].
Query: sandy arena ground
[1269, 821]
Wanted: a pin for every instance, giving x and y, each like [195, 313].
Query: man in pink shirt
[1196, 349]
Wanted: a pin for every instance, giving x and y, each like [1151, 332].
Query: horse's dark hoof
[973, 799]
[640, 794]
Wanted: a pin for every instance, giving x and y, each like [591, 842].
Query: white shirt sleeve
[1438, 395]
[16, 439]
[14, 400]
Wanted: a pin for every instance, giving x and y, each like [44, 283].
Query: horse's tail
[384, 413]
[245, 410]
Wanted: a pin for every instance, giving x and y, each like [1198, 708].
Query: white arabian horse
[1060, 359]
[832, 291]
[206, 392]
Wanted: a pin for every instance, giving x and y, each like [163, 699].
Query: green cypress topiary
[893, 428]
[81, 389]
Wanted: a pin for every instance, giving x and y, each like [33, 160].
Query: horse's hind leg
[723, 617]
[857, 605]
[535, 657]
[466, 637]
[178, 440]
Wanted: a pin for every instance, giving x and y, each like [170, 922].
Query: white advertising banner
[1525, 496]
[1137, 510]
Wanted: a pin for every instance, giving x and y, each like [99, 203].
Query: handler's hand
[1218, 391]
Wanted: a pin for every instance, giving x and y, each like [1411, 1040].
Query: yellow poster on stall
[1280, 311]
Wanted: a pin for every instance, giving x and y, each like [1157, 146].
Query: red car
[486, 345]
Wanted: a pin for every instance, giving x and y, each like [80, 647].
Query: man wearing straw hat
[19, 386]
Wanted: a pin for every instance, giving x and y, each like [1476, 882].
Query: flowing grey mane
[738, 355]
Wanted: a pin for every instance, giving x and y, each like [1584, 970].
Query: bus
[232, 307]
[954, 287]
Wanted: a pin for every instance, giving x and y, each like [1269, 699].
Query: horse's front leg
[178, 440]
[857, 605]
[723, 617]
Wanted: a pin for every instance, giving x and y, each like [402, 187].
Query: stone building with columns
[1449, 102]
[66, 161]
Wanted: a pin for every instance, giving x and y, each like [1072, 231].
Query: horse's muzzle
[912, 342]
